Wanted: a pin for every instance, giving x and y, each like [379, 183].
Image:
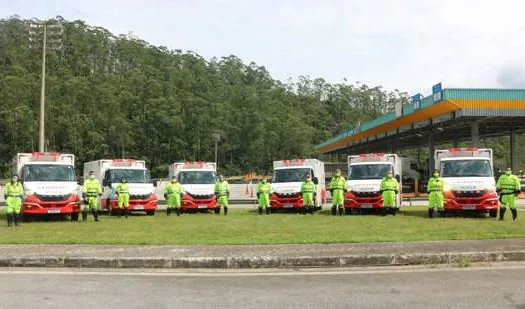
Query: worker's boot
[502, 213]
[9, 219]
[441, 212]
[168, 211]
[334, 210]
[431, 212]
[95, 214]
[341, 210]
[177, 210]
[119, 212]
[260, 211]
[267, 210]
[126, 212]
[225, 211]
[16, 219]
[84, 215]
[514, 214]
[384, 211]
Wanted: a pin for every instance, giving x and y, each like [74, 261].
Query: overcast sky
[405, 44]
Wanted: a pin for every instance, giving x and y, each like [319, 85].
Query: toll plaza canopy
[448, 115]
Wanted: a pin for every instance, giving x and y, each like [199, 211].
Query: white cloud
[404, 44]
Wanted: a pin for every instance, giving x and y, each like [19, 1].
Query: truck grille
[139, 196]
[365, 194]
[202, 196]
[288, 195]
[470, 193]
[53, 198]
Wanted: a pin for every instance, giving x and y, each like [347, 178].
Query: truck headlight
[447, 188]
[28, 192]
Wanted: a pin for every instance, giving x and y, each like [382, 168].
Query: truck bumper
[196, 204]
[485, 202]
[138, 205]
[367, 201]
[50, 208]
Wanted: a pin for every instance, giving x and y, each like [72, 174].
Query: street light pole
[216, 137]
[41, 139]
[55, 43]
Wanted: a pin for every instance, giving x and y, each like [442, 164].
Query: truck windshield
[466, 168]
[291, 174]
[368, 171]
[48, 172]
[196, 177]
[132, 176]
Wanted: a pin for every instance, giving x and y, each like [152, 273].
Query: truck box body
[365, 172]
[468, 177]
[49, 181]
[198, 181]
[109, 173]
[288, 176]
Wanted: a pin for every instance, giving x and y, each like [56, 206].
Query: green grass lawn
[242, 226]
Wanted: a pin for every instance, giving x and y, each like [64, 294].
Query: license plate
[469, 207]
[366, 206]
[139, 207]
[53, 211]
[202, 206]
[288, 206]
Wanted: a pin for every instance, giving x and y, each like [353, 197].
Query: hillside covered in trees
[112, 96]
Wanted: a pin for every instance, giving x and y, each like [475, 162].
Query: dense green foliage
[111, 96]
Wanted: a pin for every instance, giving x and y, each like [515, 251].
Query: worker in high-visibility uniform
[508, 187]
[90, 192]
[436, 199]
[222, 192]
[13, 194]
[263, 190]
[173, 195]
[123, 197]
[389, 189]
[337, 190]
[308, 190]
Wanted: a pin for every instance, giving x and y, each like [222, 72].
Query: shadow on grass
[423, 213]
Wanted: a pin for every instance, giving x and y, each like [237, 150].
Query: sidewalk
[263, 256]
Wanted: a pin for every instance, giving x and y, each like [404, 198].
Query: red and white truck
[141, 187]
[50, 184]
[198, 181]
[288, 176]
[469, 179]
[365, 172]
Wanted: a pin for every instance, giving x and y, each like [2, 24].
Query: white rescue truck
[288, 176]
[469, 180]
[141, 188]
[198, 181]
[365, 172]
[50, 184]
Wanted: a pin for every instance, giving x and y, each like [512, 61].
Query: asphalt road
[482, 287]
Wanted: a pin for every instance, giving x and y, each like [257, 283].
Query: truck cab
[288, 176]
[50, 184]
[141, 188]
[469, 180]
[365, 172]
[198, 181]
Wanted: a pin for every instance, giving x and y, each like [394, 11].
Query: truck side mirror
[316, 180]
[106, 183]
[398, 178]
[155, 183]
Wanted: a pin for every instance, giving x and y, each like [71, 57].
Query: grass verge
[243, 226]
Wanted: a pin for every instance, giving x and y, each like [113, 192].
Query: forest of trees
[112, 96]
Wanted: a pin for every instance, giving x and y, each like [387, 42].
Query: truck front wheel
[74, 216]
[493, 213]
[150, 212]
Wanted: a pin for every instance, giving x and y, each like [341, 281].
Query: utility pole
[216, 137]
[42, 33]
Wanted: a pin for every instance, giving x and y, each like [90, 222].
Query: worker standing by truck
[91, 191]
[263, 190]
[508, 187]
[222, 192]
[436, 199]
[123, 197]
[13, 193]
[173, 196]
[337, 189]
[389, 189]
[308, 190]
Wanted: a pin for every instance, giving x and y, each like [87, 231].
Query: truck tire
[493, 213]
[74, 216]
[150, 212]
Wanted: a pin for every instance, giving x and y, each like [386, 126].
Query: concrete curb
[358, 260]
